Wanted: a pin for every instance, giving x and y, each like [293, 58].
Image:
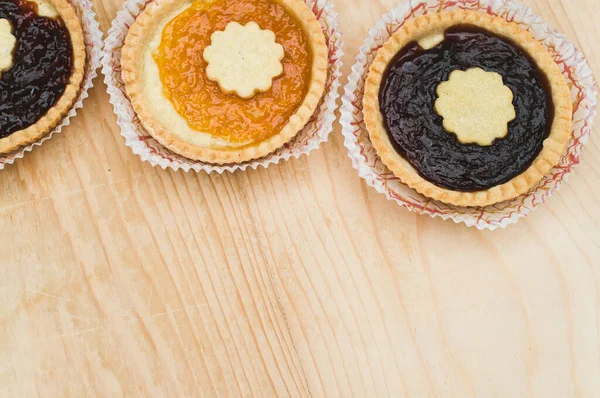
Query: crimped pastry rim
[55, 114]
[553, 148]
[131, 73]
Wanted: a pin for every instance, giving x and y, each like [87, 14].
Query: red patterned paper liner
[364, 158]
[93, 43]
[143, 144]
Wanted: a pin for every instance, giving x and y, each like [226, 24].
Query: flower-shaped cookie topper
[476, 106]
[244, 59]
[7, 45]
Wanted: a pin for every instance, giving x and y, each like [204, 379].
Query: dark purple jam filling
[42, 67]
[408, 95]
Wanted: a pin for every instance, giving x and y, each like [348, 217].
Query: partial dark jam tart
[42, 59]
[467, 108]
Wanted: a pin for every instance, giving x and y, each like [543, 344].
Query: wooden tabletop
[118, 279]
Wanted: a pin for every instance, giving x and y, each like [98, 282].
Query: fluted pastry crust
[553, 148]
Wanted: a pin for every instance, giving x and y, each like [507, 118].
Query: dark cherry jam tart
[42, 60]
[467, 108]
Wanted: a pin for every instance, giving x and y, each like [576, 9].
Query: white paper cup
[93, 44]
[365, 159]
[141, 142]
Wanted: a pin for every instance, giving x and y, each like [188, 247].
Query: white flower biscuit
[7, 45]
[476, 106]
[244, 59]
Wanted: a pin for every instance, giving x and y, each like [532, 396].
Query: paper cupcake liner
[141, 142]
[370, 167]
[93, 44]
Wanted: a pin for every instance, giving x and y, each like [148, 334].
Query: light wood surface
[117, 279]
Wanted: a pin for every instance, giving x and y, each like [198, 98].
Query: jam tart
[225, 81]
[42, 61]
[467, 108]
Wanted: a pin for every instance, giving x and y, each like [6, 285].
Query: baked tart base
[172, 130]
[423, 27]
[57, 112]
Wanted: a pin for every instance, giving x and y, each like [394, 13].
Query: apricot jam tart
[467, 108]
[42, 60]
[225, 81]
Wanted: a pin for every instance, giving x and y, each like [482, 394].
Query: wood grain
[118, 279]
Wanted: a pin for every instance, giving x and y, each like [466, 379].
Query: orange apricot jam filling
[201, 102]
